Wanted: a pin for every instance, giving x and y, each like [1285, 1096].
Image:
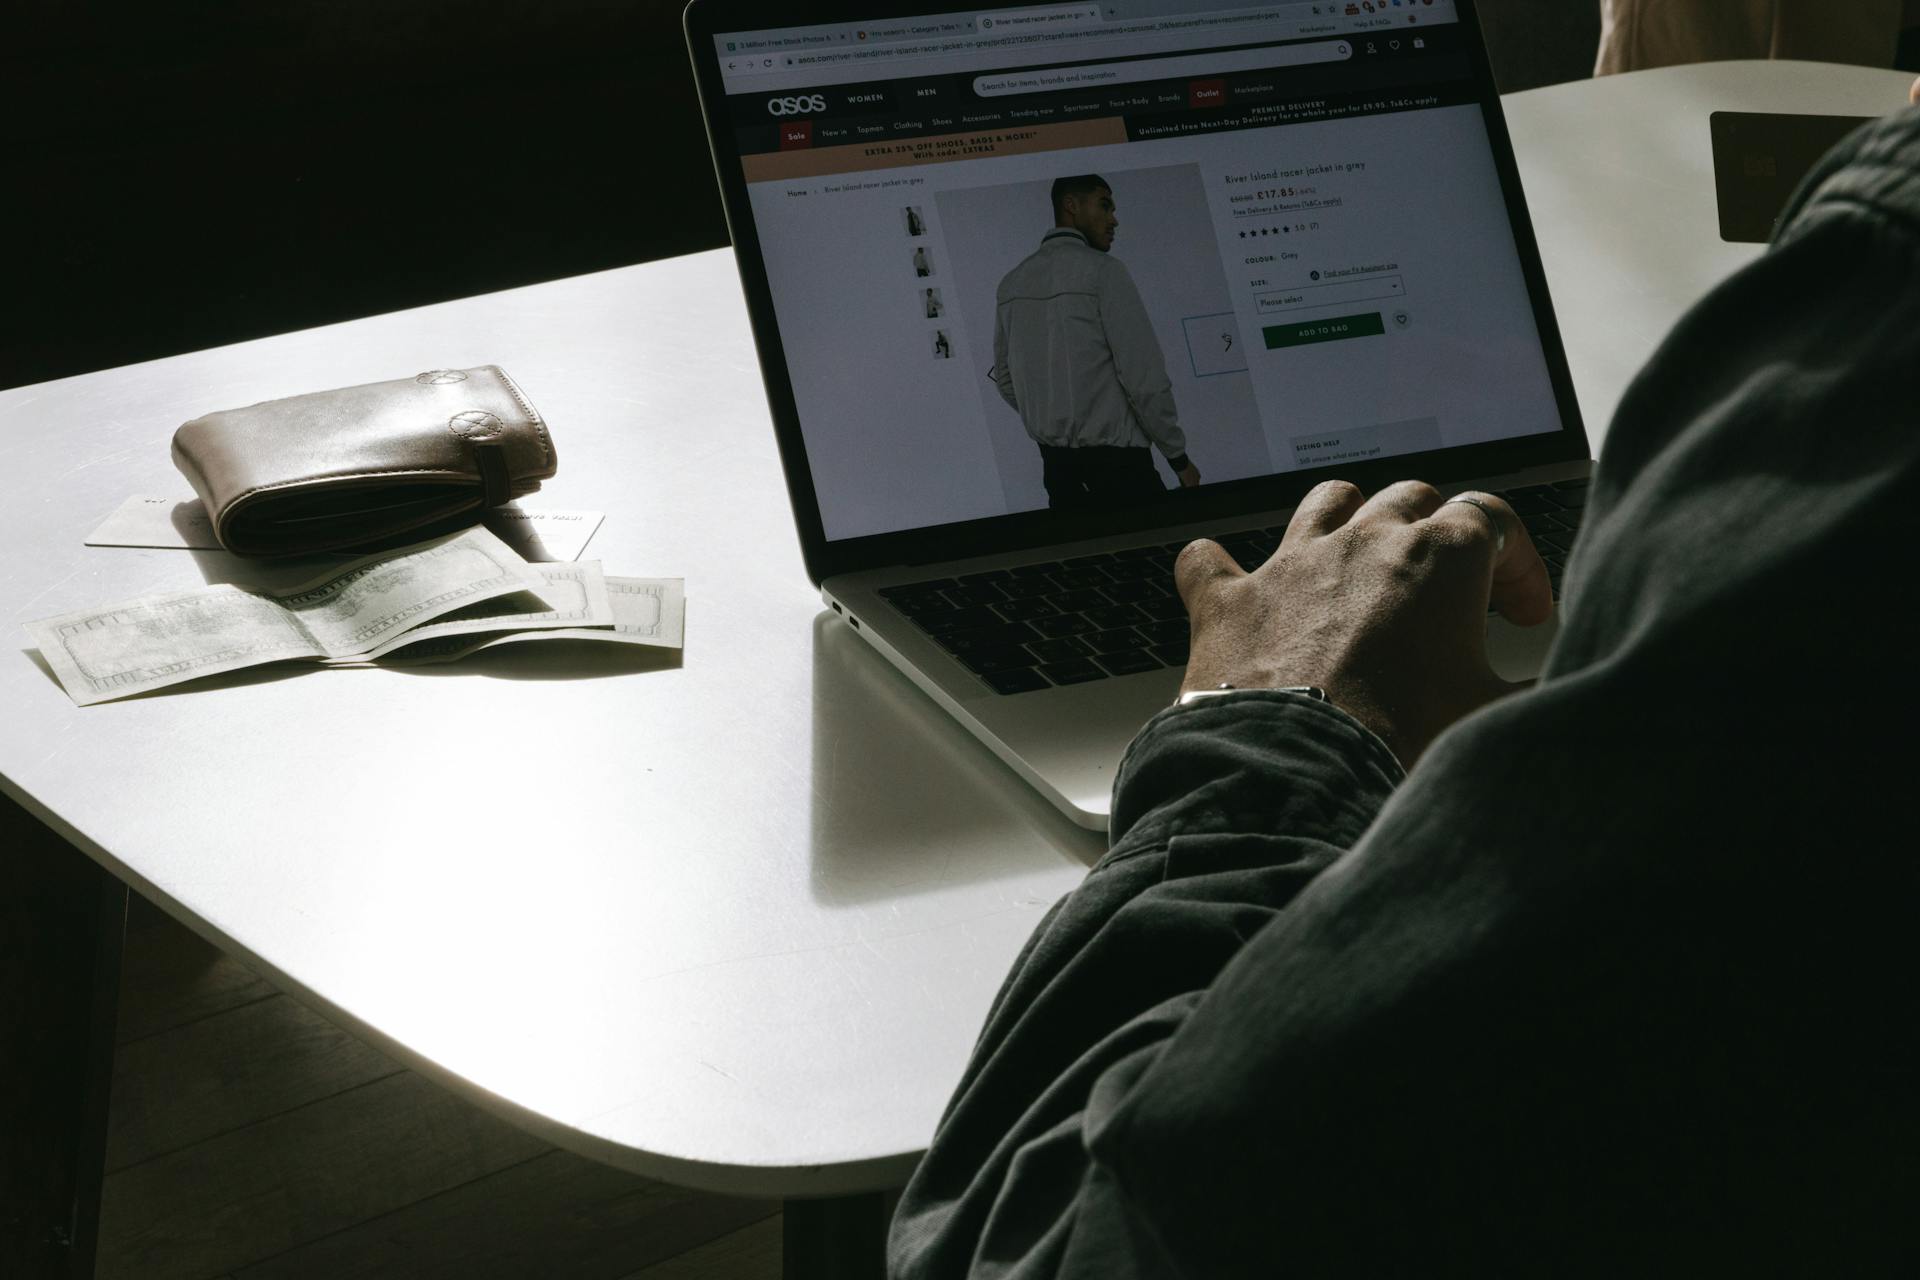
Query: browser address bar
[1000, 39]
[999, 84]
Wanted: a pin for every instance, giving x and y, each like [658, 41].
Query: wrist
[1353, 698]
[1179, 462]
[1215, 764]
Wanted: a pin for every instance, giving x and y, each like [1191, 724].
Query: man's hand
[1382, 602]
[1188, 477]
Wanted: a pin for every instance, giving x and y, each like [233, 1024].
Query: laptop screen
[1017, 255]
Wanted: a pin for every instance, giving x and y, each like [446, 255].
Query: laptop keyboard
[1116, 613]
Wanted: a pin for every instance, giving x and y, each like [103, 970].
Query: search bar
[1201, 64]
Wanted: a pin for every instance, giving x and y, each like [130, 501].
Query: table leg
[61, 923]
[837, 1238]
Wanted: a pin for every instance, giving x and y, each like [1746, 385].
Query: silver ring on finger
[1493, 517]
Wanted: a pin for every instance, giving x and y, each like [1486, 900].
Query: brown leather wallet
[365, 466]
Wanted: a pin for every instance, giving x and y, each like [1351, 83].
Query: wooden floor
[252, 1140]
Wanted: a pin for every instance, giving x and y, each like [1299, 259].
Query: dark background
[182, 175]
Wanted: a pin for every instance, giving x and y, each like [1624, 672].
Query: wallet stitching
[533, 415]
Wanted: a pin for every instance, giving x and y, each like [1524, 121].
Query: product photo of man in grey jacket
[1074, 354]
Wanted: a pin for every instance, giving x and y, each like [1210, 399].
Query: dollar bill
[577, 594]
[646, 611]
[159, 640]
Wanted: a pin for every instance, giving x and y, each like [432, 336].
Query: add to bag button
[1297, 335]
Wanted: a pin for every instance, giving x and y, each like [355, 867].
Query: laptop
[1307, 256]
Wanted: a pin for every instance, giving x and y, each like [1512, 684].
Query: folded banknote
[157, 640]
[646, 611]
[576, 596]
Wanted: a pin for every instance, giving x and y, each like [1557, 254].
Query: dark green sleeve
[1224, 810]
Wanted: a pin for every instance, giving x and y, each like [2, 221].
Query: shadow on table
[899, 787]
[554, 659]
[526, 660]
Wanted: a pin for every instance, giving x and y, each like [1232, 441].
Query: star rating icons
[1266, 231]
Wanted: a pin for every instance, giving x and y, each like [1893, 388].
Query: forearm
[1224, 811]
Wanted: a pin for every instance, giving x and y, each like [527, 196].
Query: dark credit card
[1758, 161]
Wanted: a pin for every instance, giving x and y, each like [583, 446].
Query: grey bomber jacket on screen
[1075, 354]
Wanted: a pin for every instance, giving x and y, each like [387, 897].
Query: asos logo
[796, 106]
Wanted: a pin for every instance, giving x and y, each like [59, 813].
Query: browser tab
[927, 27]
[1053, 16]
